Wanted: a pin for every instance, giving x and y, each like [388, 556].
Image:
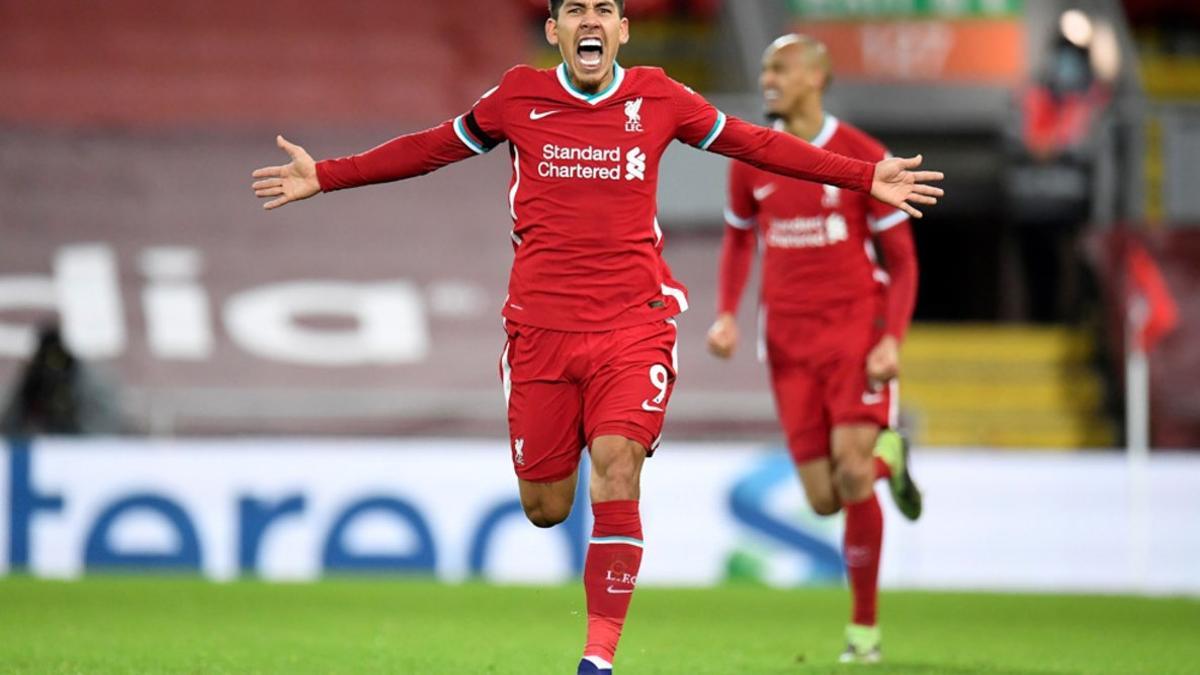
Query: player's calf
[854, 477]
[614, 554]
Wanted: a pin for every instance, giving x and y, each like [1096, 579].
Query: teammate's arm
[737, 255]
[899, 255]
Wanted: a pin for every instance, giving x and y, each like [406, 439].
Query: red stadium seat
[139, 62]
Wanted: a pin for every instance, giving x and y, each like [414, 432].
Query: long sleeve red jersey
[583, 194]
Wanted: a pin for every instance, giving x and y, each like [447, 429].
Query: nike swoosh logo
[650, 408]
[871, 399]
[619, 591]
[535, 115]
[764, 191]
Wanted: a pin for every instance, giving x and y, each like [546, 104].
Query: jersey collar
[564, 78]
[828, 128]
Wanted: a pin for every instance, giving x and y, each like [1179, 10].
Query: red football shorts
[818, 370]
[564, 389]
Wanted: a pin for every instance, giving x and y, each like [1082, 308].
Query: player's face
[588, 33]
[788, 79]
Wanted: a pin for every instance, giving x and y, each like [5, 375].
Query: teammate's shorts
[564, 389]
[818, 364]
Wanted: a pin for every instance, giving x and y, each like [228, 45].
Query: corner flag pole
[1137, 437]
[1137, 381]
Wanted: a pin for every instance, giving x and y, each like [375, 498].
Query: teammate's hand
[723, 336]
[897, 183]
[291, 182]
[883, 363]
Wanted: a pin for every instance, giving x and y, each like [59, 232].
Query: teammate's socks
[882, 470]
[863, 540]
[610, 574]
[887, 444]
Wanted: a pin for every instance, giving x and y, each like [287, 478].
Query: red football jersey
[816, 239]
[583, 194]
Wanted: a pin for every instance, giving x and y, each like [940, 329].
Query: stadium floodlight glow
[1076, 27]
[1106, 52]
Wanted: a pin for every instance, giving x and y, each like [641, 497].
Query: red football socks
[610, 573]
[882, 470]
[863, 541]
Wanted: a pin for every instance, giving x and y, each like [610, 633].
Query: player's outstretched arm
[289, 182]
[897, 182]
[893, 181]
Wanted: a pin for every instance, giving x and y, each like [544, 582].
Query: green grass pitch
[165, 625]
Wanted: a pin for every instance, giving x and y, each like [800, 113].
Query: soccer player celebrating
[831, 320]
[590, 359]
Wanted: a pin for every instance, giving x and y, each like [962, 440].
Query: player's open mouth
[771, 95]
[590, 52]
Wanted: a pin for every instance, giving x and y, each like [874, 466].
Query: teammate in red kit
[831, 320]
[590, 356]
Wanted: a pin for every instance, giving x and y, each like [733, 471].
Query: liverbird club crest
[633, 115]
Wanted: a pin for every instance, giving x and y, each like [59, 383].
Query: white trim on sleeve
[461, 132]
[713, 135]
[734, 220]
[887, 222]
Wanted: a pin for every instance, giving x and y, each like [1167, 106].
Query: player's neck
[595, 88]
[806, 123]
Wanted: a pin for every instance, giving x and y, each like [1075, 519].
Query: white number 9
[659, 378]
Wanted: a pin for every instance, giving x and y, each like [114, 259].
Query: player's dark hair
[556, 5]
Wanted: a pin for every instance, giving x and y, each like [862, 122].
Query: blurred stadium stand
[128, 129]
[1016, 386]
[139, 63]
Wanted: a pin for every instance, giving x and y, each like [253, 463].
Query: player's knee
[825, 505]
[853, 480]
[547, 513]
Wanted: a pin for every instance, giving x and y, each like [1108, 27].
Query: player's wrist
[320, 175]
[869, 173]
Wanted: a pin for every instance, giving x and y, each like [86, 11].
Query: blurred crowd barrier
[293, 509]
